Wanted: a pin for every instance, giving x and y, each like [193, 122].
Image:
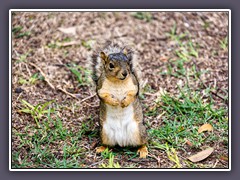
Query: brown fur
[118, 86]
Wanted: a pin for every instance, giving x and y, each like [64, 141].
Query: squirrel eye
[111, 66]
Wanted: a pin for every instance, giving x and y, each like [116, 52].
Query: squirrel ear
[124, 51]
[128, 53]
[103, 56]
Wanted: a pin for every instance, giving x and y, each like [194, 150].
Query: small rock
[19, 90]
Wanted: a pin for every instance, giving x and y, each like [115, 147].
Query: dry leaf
[164, 59]
[224, 158]
[201, 155]
[205, 127]
[189, 143]
[69, 30]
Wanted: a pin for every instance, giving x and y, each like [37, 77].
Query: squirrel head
[116, 65]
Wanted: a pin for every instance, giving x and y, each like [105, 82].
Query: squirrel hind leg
[143, 151]
[100, 149]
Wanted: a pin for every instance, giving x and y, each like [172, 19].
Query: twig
[150, 94]
[89, 97]
[69, 43]
[215, 163]
[96, 163]
[19, 96]
[49, 83]
[119, 36]
[218, 95]
[59, 88]
[43, 74]
[157, 158]
[68, 93]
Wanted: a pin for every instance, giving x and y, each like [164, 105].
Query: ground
[184, 60]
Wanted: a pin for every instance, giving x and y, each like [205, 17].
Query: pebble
[19, 90]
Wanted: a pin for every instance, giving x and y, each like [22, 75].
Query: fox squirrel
[117, 84]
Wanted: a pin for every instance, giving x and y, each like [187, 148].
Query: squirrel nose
[124, 73]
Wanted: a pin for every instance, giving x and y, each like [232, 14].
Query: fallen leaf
[164, 59]
[205, 127]
[189, 143]
[69, 30]
[201, 155]
[224, 158]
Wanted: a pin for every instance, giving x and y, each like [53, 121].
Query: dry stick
[69, 43]
[43, 74]
[157, 158]
[205, 86]
[61, 89]
[96, 163]
[215, 163]
[89, 97]
[150, 94]
[49, 83]
[68, 93]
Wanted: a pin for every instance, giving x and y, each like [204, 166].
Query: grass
[48, 143]
[59, 44]
[43, 143]
[37, 112]
[145, 16]
[106, 154]
[88, 44]
[224, 43]
[172, 155]
[111, 163]
[184, 115]
[186, 49]
[174, 36]
[23, 57]
[181, 117]
[80, 73]
[19, 33]
[31, 81]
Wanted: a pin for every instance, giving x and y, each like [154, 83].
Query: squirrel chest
[119, 89]
[120, 126]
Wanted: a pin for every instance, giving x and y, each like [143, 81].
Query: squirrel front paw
[114, 102]
[124, 102]
[110, 99]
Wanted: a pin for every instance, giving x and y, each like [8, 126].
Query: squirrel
[118, 85]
